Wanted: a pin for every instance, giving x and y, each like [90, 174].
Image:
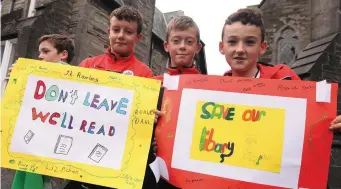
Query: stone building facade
[304, 34]
[86, 22]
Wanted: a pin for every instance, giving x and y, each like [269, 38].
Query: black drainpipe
[12, 5]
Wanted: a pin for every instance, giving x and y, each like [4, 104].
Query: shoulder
[284, 72]
[278, 71]
[143, 69]
[91, 60]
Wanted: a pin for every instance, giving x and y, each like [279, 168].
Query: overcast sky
[210, 16]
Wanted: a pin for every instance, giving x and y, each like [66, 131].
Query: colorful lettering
[206, 114]
[40, 85]
[208, 144]
[52, 93]
[111, 131]
[230, 114]
[94, 101]
[86, 100]
[218, 111]
[113, 105]
[253, 115]
[83, 126]
[230, 146]
[105, 104]
[122, 105]
[62, 96]
[101, 130]
[54, 115]
[64, 119]
[40, 115]
[70, 123]
[91, 127]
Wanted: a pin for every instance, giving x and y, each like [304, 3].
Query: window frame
[6, 61]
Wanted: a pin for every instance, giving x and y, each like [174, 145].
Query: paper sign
[323, 91]
[171, 82]
[79, 124]
[231, 132]
[223, 134]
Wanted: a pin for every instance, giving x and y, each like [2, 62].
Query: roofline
[261, 3]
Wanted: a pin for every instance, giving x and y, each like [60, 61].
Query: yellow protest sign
[239, 135]
[77, 123]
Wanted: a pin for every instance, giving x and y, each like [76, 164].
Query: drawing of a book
[97, 153]
[63, 145]
[29, 135]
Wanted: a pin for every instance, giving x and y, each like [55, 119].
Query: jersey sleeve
[85, 63]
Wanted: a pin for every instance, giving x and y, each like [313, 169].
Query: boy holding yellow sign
[53, 48]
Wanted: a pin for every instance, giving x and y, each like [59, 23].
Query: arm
[148, 73]
[84, 63]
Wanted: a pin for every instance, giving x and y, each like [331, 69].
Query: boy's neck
[120, 56]
[172, 65]
[250, 73]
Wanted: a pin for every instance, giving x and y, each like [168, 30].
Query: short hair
[182, 23]
[130, 14]
[251, 16]
[61, 43]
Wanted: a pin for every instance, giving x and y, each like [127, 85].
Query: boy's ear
[108, 32]
[138, 37]
[64, 56]
[263, 47]
[199, 46]
[221, 47]
[165, 46]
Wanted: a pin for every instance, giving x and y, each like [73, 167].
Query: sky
[210, 17]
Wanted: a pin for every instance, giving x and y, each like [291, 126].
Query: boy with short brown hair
[243, 42]
[182, 43]
[56, 48]
[124, 32]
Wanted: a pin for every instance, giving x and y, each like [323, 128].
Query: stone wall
[280, 15]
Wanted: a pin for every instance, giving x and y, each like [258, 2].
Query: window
[32, 9]
[287, 46]
[7, 59]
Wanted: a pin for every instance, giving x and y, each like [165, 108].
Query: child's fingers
[154, 144]
[336, 120]
[336, 127]
[158, 114]
[10, 70]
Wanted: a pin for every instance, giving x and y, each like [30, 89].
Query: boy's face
[242, 46]
[123, 36]
[48, 53]
[182, 46]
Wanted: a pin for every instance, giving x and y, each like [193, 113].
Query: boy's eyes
[231, 42]
[188, 42]
[44, 51]
[117, 30]
[250, 42]
[176, 41]
[247, 42]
